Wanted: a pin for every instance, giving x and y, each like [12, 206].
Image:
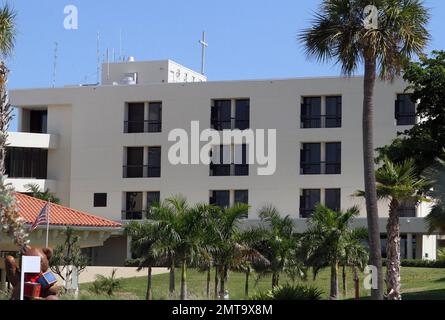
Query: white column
[128, 247]
[409, 246]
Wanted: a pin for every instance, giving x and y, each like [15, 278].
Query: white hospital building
[104, 148]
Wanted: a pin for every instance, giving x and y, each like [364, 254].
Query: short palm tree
[144, 239]
[398, 184]
[230, 250]
[338, 33]
[325, 241]
[181, 225]
[277, 244]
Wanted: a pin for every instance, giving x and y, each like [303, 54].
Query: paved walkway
[89, 274]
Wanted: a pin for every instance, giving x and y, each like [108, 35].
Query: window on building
[135, 163]
[309, 199]
[100, 200]
[242, 114]
[153, 197]
[333, 158]
[407, 210]
[135, 122]
[224, 117]
[313, 116]
[311, 112]
[155, 117]
[221, 161]
[26, 163]
[242, 196]
[241, 162]
[154, 162]
[38, 121]
[220, 198]
[133, 206]
[405, 110]
[310, 158]
[333, 112]
[221, 114]
[332, 199]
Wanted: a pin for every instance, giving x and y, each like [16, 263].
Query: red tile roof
[29, 209]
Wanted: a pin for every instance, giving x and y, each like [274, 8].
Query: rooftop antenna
[121, 58]
[55, 64]
[98, 57]
[204, 45]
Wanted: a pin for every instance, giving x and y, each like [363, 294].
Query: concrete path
[89, 274]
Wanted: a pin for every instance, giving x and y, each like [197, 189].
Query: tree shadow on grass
[440, 280]
[438, 294]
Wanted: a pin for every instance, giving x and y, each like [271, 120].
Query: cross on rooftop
[204, 45]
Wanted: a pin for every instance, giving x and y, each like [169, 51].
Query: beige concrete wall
[112, 253]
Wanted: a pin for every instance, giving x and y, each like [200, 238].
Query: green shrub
[441, 254]
[423, 263]
[105, 285]
[289, 292]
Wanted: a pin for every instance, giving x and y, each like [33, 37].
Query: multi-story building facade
[104, 148]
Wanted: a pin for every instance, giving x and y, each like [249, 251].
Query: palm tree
[184, 227]
[277, 245]
[338, 33]
[436, 218]
[356, 256]
[35, 192]
[144, 238]
[398, 184]
[325, 241]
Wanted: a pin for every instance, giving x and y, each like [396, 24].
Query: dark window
[100, 200]
[311, 112]
[221, 164]
[242, 196]
[155, 117]
[407, 210]
[310, 158]
[133, 206]
[332, 199]
[38, 121]
[241, 164]
[26, 163]
[154, 162]
[405, 112]
[242, 114]
[308, 201]
[135, 123]
[153, 198]
[221, 115]
[333, 158]
[135, 163]
[220, 199]
[333, 112]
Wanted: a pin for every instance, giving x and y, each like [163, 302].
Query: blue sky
[249, 39]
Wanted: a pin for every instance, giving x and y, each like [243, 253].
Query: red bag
[32, 290]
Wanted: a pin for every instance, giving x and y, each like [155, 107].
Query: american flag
[41, 218]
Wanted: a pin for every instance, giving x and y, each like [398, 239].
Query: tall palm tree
[144, 238]
[277, 245]
[338, 33]
[398, 184]
[436, 218]
[324, 243]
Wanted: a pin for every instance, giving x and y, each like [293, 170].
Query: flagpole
[47, 223]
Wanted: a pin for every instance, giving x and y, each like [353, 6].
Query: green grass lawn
[417, 283]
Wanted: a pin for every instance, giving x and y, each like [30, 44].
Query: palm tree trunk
[208, 281]
[393, 253]
[222, 283]
[356, 284]
[369, 171]
[172, 288]
[334, 282]
[5, 115]
[184, 280]
[344, 282]
[216, 283]
[149, 294]
[246, 285]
